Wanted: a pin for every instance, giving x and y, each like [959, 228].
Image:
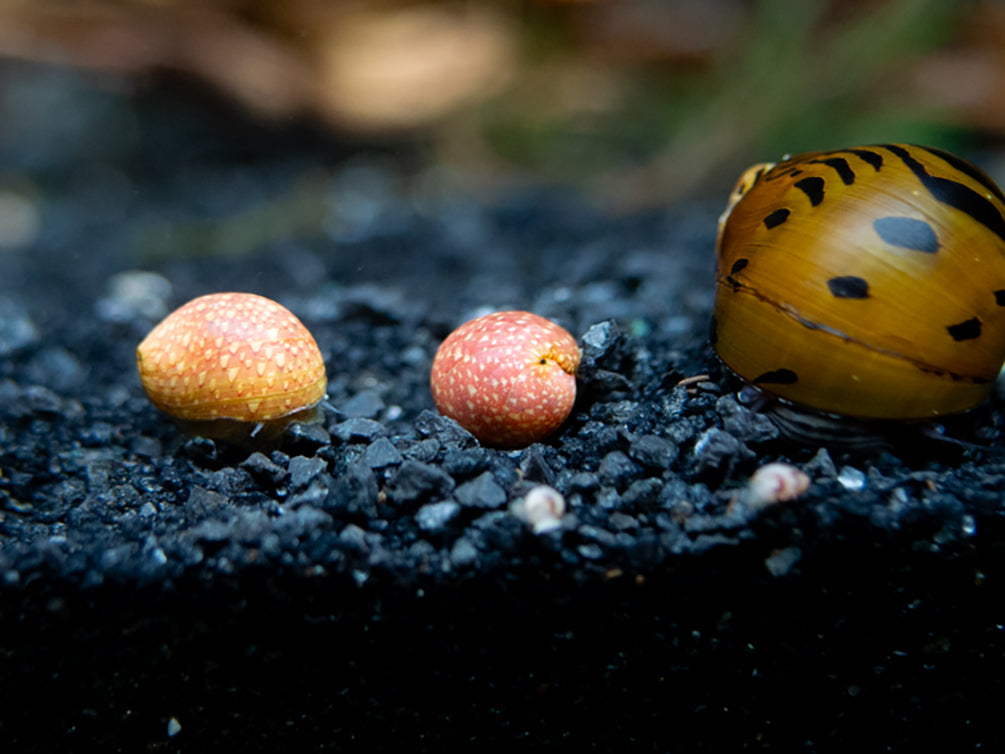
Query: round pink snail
[509, 378]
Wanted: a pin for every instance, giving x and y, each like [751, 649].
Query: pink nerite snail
[508, 378]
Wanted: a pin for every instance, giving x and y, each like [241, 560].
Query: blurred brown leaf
[966, 80]
[362, 66]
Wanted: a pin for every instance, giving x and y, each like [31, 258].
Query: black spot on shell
[842, 168]
[1000, 297]
[967, 330]
[873, 158]
[784, 170]
[954, 193]
[738, 266]
[813, 187]
[849, 286]
[777, 377]
[967, 168]
[776, 218]
[907, 233]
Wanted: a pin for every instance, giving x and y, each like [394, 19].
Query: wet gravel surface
[368, 585]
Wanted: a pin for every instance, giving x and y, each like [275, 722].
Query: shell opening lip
[263, 434]
[735, 287]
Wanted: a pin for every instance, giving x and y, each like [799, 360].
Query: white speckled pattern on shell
[509, 378]
[231, 355]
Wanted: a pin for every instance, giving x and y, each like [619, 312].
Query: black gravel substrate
[366, 587]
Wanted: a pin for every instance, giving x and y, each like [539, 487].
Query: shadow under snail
[866, 283]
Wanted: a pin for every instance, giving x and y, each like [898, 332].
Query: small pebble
[717, 449]
[482, 492]
[354, 491]
[381, 453]
[780, 562]
[743, 423]
[465, 462]
[642, 492]
[435, 517]
[353, 537]
[463, 552]
[57, 368]
[134, 294]
[359, 430]
[261, 467]
[173, 727]
[416, 481]
[443, 429]
[653, 452]
[365, 405]
[42, 400]
[147, 447]
[305, 438]
[304, 470]
[20, 219]
[851, 478]
[616, 469]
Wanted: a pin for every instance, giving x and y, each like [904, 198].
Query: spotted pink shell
[509, 378]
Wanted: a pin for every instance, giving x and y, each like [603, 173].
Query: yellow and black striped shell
[868, 282]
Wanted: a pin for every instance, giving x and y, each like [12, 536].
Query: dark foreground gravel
[366, 587]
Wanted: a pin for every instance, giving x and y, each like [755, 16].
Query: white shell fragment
[774, 483]
[542, 507]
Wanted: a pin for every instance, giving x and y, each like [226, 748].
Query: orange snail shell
[867, 282]
[231, 356]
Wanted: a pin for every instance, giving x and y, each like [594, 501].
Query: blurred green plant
[298, 211]
[800, 77]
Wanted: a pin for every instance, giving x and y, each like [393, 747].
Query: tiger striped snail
[233, 366]
[866, 282]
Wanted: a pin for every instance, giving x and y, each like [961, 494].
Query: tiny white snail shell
[542, 507]
[774, 483]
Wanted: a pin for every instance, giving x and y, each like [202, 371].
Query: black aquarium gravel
[368, 586]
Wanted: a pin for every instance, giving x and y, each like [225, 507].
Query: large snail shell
[868, 282]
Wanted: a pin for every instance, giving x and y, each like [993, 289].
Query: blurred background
[636, 103]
